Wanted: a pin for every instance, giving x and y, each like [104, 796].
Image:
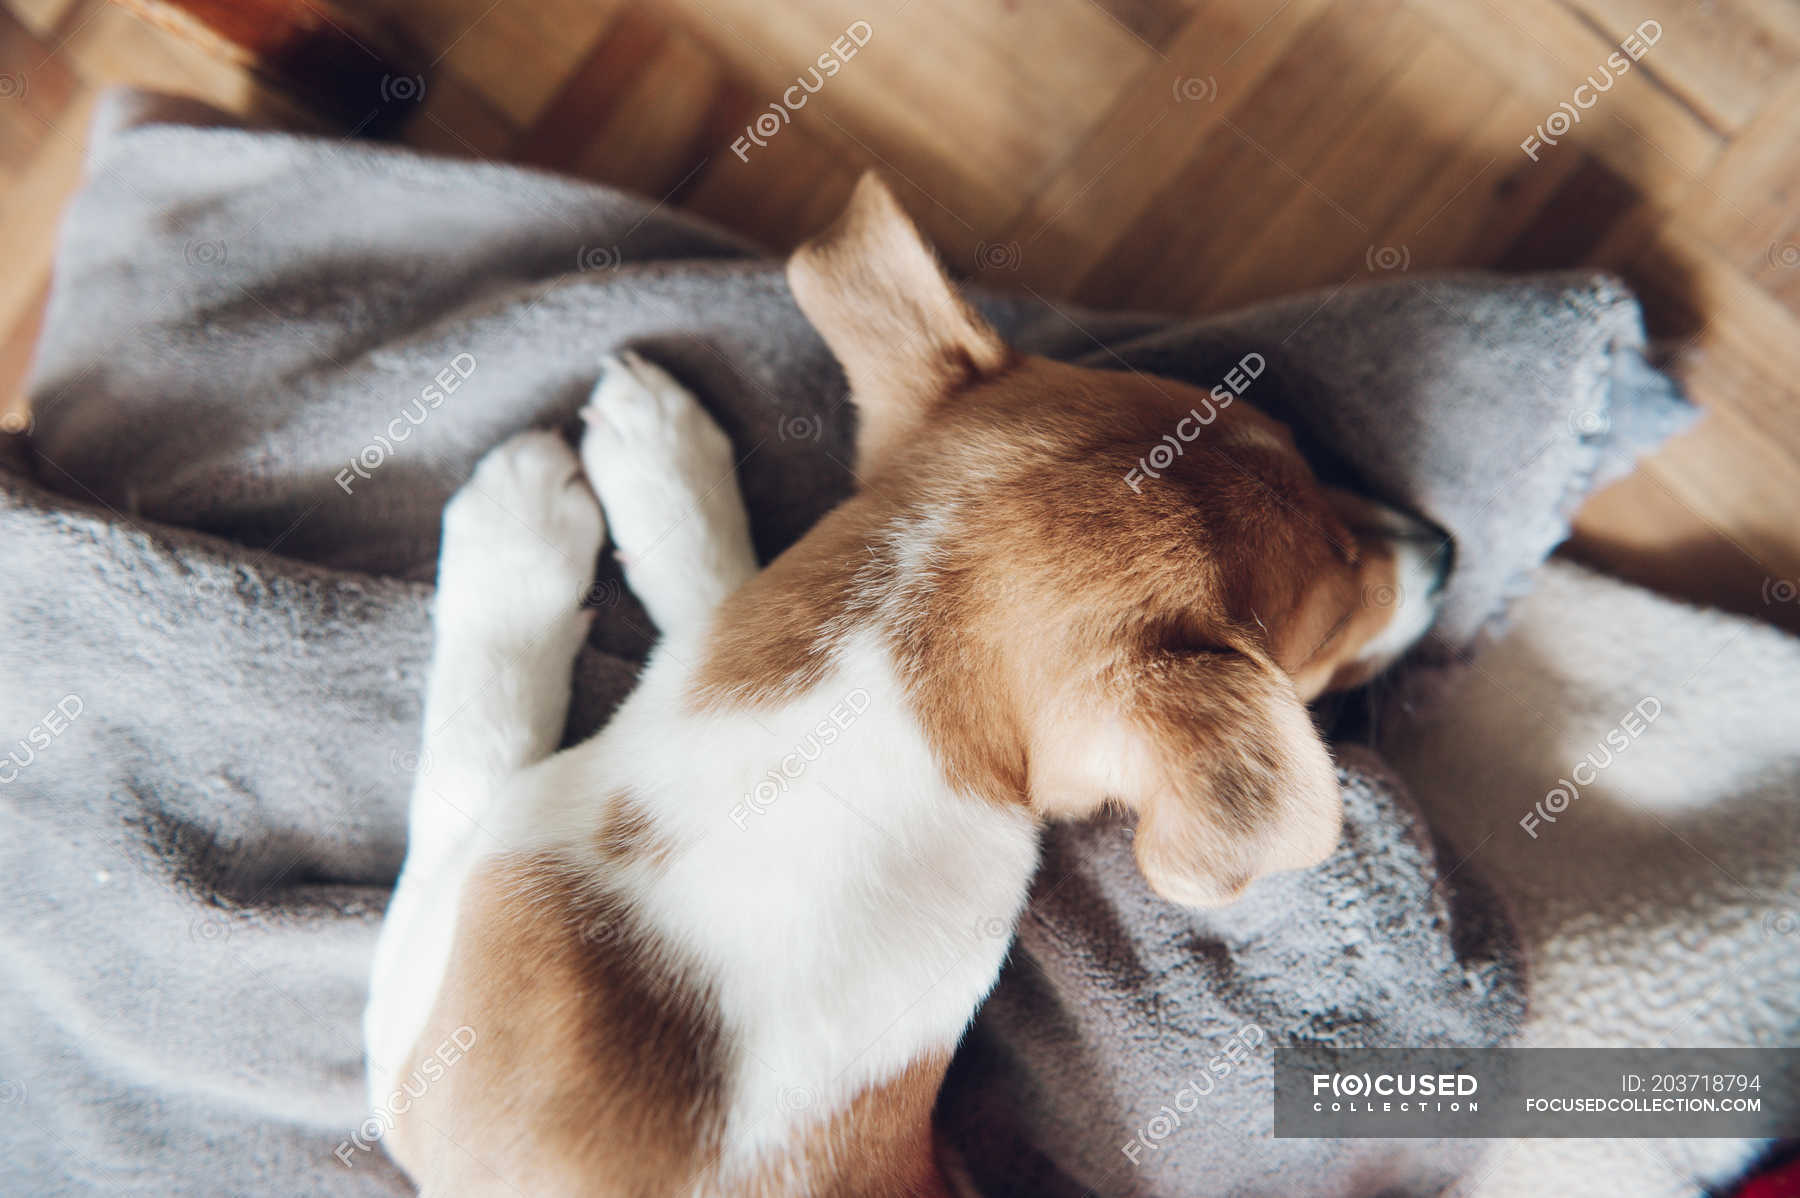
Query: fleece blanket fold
[267, 362]
[1661, 905]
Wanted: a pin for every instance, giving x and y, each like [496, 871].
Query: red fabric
[1781, 1182]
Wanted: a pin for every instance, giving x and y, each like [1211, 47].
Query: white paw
[653, 453]
[523, 533]
[666, 475]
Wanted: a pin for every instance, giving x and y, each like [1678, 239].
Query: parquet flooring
[1182, 155]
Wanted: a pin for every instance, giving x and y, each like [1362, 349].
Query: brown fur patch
[1027, 589]
[770, 639]
[880, 1146]
[627, 833]
[1050, 572]
[596, 1068]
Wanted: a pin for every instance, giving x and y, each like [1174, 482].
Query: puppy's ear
[903, 335]
[1231, 780]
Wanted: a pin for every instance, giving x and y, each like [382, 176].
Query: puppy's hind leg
[668, 481]
[520, 541]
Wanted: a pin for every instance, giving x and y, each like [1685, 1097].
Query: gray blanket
[267, 362]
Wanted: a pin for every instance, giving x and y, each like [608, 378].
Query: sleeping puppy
[726, 946]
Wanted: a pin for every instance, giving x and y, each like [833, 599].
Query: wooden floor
[1183, 155]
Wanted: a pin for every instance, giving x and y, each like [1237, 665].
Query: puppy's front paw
[666, 476]
[523, 533]
[653, 453]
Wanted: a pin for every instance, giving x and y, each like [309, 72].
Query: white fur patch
[849, 910]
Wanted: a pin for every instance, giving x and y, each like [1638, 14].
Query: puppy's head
[1077, 630]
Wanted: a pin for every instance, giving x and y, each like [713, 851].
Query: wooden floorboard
[1182, 155]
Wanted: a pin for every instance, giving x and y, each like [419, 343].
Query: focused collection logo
[1397, 1093]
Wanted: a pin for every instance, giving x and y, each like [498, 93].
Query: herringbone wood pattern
[1170, 154]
